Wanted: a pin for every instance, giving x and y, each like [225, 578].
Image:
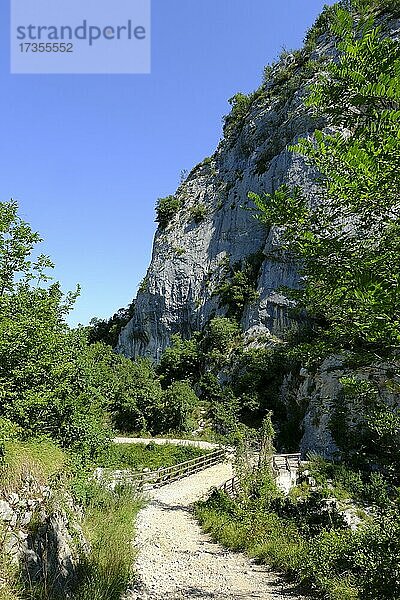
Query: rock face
[191, 256]
[213, 232]
[333, 417]
[41, 535]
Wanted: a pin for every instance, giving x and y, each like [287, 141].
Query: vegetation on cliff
[346, 247]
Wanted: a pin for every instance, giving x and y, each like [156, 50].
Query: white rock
[6, 512]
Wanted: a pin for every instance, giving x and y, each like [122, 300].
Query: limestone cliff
[196, 250]
[211, 234]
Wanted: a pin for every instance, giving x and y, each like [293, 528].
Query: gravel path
[177, 561]
[162, 441]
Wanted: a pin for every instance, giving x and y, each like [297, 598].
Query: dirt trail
[163, 441]
[177, 561]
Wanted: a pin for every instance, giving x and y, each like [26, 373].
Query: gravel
[176, 560]
[162, 441]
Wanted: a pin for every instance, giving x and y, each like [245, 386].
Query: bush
[108, 330]
[327, 562]
[240, 285]
[136, 399]
[152, 456]
[345, 482]
[240, 104]
[166, 209]
[310, 544]
[11, 588]
[198, 212]
[378, 558]
[181, 360]
[221, 336]
[8, 431]
[257, 377]
[179, 403]
[38, 458]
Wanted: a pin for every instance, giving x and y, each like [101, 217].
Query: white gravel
[162, 441]
[176, 560]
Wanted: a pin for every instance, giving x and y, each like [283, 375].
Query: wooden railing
[288, 462]
[163, 475]
[189, 467]
[279, 463]
[231, 487]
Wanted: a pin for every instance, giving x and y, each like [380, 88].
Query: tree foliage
[44, 387]
[181, 360]
[239, 286]
[347, 246]
[166, 209]
[108, 330]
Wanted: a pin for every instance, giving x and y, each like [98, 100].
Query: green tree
[221, 336]
[108, 330]
[180, 361]
[239, 287]
[43, 388]
[166, 209]
[136, 403]
[17, 241]
[178, 411]
[347, 246]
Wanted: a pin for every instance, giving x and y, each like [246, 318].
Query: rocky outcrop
[195, 252]
[335, 415]
[41, 534]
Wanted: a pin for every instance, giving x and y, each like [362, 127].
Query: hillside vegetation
[347, 248]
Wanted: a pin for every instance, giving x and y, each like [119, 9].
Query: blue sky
[87, 156]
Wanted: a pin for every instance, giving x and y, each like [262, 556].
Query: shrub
[166, 209]
[39, 458]
[221, 334]
[224, 408]
[240, 104]
[328, 558]
[10, 587]
[181, 360]
[235, 293]
[136, 396]
[178, 407]
[324, 563]
[378, 558]
[109, 525]
[8, 431]
[257, 377]
[108, 330]
[239, 287]
[198, 212]
[151, 455]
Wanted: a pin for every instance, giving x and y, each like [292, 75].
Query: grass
[344, 482]
[9, 584]
[104, 574]
[307, 539]
[151, 456]
[109, 527]
[263, 535]
[41, 459]
[315, 562]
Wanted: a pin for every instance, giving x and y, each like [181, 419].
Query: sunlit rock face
[191, 257]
